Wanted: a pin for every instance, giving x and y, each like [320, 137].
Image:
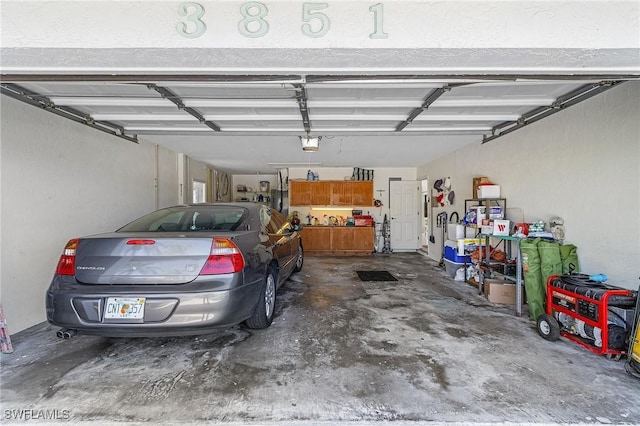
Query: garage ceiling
[255, 124]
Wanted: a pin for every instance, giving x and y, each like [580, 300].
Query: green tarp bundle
[569, 256]
[550, 261]
[540, 260]
[532, 275]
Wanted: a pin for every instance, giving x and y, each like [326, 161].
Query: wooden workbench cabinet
[338, 240]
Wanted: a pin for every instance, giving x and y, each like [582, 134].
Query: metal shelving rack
[517, 278]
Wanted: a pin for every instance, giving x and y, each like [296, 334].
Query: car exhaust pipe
[66, 333]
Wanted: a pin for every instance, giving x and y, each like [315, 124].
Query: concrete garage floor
[422, 349]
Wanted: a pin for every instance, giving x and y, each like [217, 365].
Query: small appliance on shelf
[363, 220]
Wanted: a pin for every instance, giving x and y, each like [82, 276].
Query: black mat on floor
[376, 276]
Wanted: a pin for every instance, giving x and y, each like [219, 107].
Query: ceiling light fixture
[310, 144]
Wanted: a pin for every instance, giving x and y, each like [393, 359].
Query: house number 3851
[254, 23]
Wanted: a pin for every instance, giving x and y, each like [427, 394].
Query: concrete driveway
[421, 349]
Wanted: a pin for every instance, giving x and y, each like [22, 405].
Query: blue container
[450, 253]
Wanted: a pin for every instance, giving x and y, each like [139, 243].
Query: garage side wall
[582, 164]
[61, 180]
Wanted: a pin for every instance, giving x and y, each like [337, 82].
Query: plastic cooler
[451, 253]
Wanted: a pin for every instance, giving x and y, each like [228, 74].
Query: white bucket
[455, 231]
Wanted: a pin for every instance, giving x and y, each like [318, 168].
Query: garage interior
[98, 130]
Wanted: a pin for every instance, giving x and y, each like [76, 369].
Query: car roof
[249, 205]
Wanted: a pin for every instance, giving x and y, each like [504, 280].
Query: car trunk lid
[121, 259]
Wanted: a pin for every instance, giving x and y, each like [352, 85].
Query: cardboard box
[489, 191]
[477, 181]
[486, 229]
[500, 291]
[501, 227]
[495, 212]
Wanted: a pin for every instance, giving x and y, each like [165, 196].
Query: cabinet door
[365, 238]
[352, 239]
[316, 239]
[342, 193]
[362, 193]
[320, 193]
[299, 193]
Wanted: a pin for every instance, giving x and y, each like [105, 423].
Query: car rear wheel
[263, 314]
[299, 259]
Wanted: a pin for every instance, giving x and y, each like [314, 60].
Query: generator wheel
[612, 357]
[548, 327]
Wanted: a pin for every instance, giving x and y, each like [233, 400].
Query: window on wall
[199, 191]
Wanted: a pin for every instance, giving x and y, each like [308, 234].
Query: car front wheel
[263, 314]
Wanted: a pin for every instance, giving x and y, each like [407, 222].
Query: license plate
[124, 308]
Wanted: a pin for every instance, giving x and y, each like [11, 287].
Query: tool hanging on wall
[432, 238]
[442, 223]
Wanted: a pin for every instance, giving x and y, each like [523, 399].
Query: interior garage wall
[61, 180]
[582, 164]
[168, 191]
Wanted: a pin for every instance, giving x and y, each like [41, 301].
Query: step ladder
[5, 340]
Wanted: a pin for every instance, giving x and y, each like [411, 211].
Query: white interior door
[405, 214]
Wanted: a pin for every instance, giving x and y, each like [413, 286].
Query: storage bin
[489, 191]
[451, 253]
[452, 267]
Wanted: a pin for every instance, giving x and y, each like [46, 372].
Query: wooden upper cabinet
[299, 193]
[320, 193]
[330, 193]
[362, 193]
[341, 193]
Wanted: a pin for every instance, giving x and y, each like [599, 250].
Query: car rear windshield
[189, 219]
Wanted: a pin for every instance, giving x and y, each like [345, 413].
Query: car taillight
[67, 262]
[225, 258]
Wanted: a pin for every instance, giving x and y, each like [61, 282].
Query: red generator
[596, 316]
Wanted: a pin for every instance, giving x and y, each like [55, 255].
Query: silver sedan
[177, 271]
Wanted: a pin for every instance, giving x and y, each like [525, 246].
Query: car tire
[262, 316]
[548, 327]
[299, 259]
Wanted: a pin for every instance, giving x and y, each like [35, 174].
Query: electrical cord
[595, 290]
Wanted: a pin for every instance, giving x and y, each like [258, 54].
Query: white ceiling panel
[388, 110]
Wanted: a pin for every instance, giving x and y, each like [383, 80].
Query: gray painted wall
[582, 164]
[61, 180]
